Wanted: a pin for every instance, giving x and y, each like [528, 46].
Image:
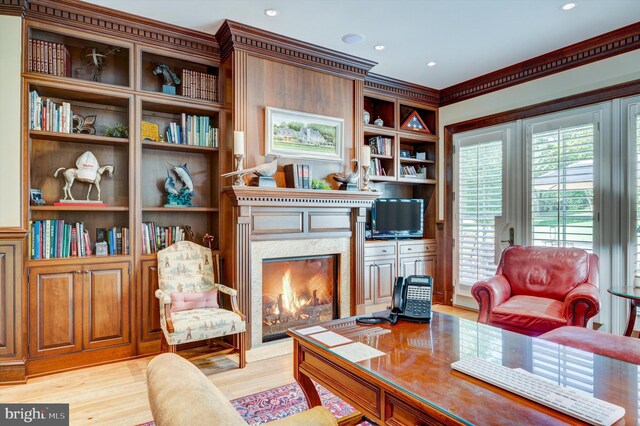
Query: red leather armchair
[538, 289]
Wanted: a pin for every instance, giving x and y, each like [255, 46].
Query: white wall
[608, 72]
[10, 152]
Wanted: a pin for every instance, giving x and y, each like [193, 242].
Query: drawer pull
[384, 251]
[409, 249]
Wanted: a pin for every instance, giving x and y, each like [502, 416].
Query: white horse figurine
[72, 174]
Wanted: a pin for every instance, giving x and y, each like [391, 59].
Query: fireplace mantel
[282, 215]
[287, 197]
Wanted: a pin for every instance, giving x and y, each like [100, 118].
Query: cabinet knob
[78, 271]
[384, 251]
[409, 249]
[85, 272]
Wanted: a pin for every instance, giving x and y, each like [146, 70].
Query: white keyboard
[568, 401]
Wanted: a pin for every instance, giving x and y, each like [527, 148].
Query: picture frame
[414, 123]
[35, 197]
[301, 135]
[405, 153]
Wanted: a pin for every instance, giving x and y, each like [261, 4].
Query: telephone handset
[412, 298]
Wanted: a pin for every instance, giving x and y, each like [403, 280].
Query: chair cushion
[194, 300]
[535, 314]
[202, 324]
[610, 345]
[544, 271]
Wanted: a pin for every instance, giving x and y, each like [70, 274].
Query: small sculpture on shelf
[97, 61]
[87, 170]
[349, 181]
[379, 122]
[264, 172]
[181, 197]
[171, 79]
[367, 117]
[84, 124]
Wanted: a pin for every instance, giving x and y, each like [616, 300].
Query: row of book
[410, 171]
[155, 238]
[117, 239]
[298, 175]
[193, 130]
[375, 168]
[380, 145]
[50, 239]
[199, 85]
[44, 114]
[48, 57]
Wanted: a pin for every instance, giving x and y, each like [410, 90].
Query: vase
[367, 117]
[379, 122]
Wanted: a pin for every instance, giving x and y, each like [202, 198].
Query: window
[480, 200]
[562, 182]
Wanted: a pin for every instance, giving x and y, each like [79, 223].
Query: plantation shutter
[635, 134]
[562, 182]
[480, 197]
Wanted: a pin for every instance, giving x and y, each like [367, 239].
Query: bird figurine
[267, 169]
[349, 180]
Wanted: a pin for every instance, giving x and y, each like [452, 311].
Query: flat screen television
[397, 218]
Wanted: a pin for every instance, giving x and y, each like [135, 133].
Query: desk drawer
[363, 395]
[422, 247]
[379, 250]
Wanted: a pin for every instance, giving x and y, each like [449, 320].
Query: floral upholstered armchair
[189, 298]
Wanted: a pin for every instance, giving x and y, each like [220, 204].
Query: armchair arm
[165, 309]
[489, 294]
[580, 304]
[234, 298]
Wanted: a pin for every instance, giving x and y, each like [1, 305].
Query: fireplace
[298, 291]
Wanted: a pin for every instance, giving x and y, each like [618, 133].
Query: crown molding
[402, 89]
[594, 49]
[235, 36]
[13, 7]
[93, 18]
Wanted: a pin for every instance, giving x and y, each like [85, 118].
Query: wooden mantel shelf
[288, 197]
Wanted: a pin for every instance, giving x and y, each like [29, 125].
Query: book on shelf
[199, 85]
[411, 172]
[55, 238]
[381, 146]
[298, 175]
[47, 57]
[193, 130]
[375, 168]
[155, 238]
[46, 115]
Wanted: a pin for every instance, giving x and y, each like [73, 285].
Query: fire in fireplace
[297, 291]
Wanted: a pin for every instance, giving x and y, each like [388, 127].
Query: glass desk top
[417, 360]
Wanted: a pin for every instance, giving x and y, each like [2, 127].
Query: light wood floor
[116, 394]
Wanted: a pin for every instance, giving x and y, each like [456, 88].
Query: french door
[531, 182]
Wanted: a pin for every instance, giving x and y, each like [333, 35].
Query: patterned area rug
[277, 403]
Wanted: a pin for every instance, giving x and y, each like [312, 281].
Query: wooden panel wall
[280, 85]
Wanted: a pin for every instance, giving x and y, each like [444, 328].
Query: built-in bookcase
[126, 94]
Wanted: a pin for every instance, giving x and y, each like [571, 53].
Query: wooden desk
[413, 383]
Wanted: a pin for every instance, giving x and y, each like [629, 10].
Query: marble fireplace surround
[262, 250]
[266, 223]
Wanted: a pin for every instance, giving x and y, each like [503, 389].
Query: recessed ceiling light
[431, 64]
[352, 38]
[271, 12]
[568, 6]
[379, 47]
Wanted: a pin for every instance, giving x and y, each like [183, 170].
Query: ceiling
[466, 38]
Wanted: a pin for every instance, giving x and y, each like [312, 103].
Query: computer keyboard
[568, 401]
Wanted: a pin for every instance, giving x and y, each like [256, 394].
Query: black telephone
[412, 298]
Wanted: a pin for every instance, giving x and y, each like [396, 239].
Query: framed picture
[296, 134]
[35, 195]
[405, 153]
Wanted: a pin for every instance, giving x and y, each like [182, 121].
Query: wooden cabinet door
[385, 276]
[417, 265]
[55, 310]
[106, 305]
[150, 306]
[370, 274]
